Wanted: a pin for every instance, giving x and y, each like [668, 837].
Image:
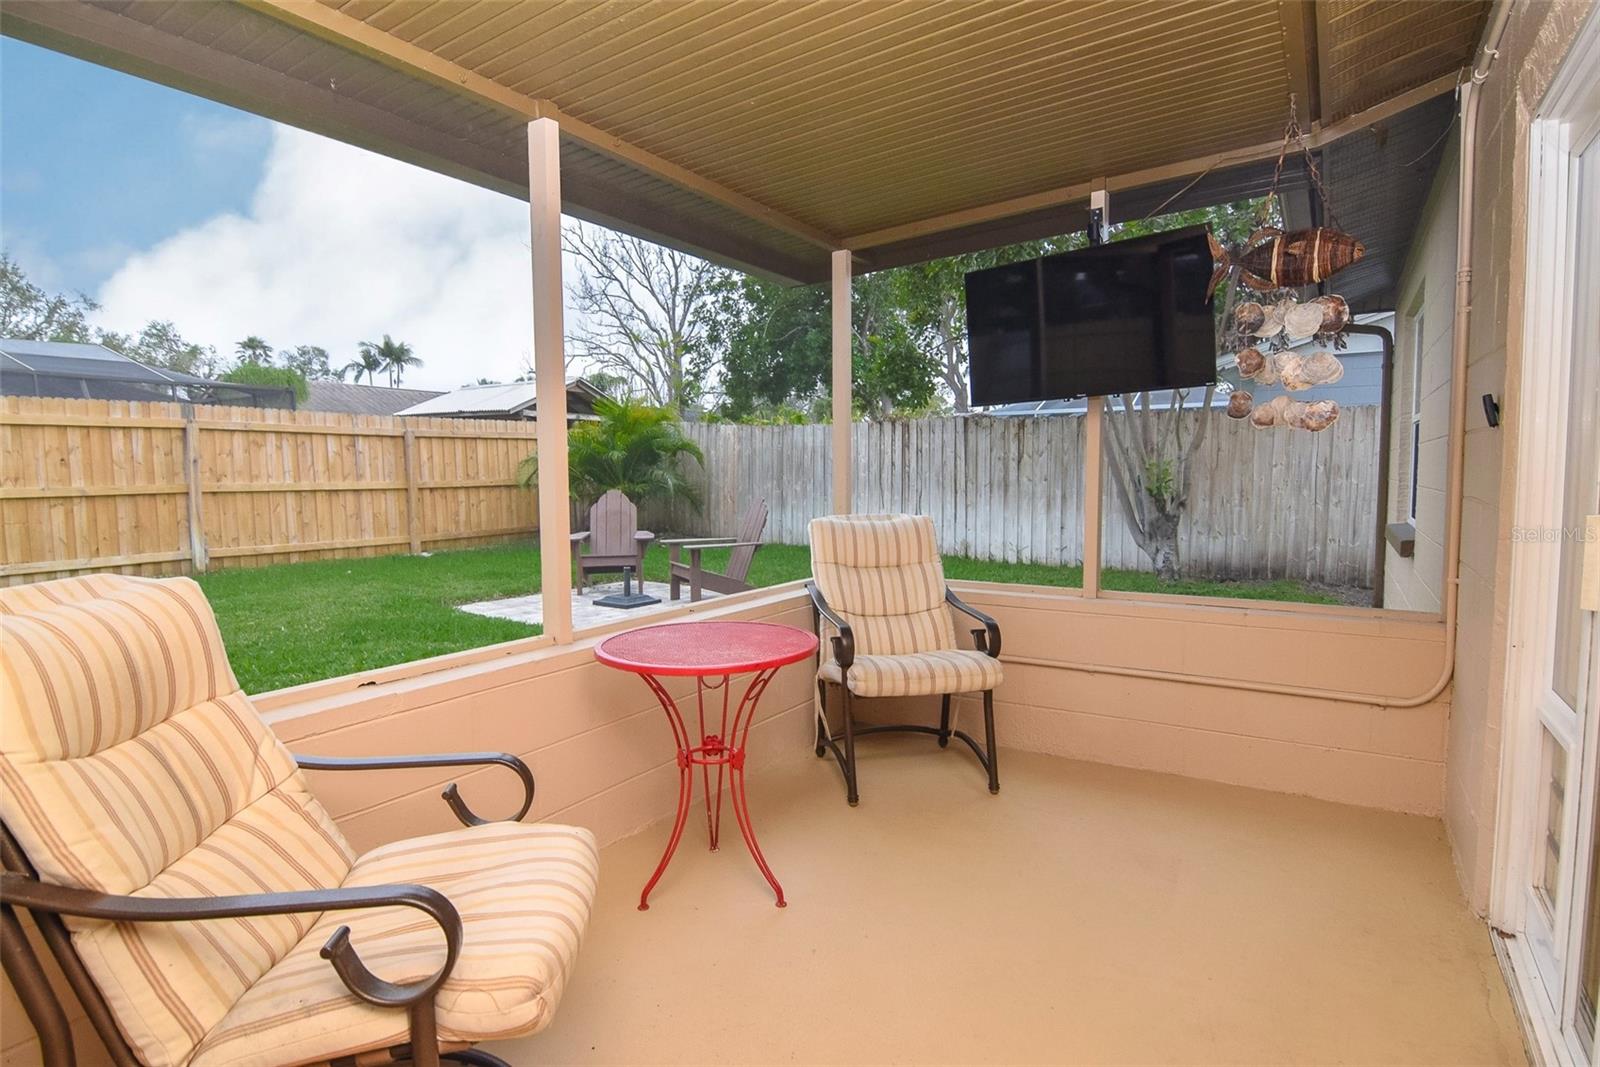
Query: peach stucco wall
[1355, 753]
[1537, 38]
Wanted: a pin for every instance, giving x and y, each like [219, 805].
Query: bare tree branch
[638, 303]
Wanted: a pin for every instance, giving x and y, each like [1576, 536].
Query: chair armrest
[688, 540]
[582, 535]
[21, 890]
[988, 638]
[643, 535]
[452, 795]
[844, 645]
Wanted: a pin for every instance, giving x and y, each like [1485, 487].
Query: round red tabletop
[705, 648]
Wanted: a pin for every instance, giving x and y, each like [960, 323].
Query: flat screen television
[1122, 317]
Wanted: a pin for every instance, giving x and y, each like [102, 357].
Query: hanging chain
[1294, 135]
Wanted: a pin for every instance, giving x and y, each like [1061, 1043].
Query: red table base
[723, 750]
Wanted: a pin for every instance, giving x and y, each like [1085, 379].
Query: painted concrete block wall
[1537, 39]
[1427, 297]
[1362, 754]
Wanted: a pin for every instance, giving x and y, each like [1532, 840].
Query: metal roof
[500, 400]
[63, 359]
[764, 135]
[72, 369]
[355, 399]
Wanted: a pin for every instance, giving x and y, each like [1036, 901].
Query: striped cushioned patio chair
[199, 899]
[884, 609]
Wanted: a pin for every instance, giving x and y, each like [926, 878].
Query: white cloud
[339, 246]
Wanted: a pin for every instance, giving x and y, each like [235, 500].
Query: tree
[630, 445]
[160, 344]
[387, 355]
[776, 347]
[253, 350]
[934, 299]
[367, 362]
[613, 385]
[1150, 453]
[261, 374]
[889, 374]
[773, 341]
[28, 312]
[641, 308]
[310, 361]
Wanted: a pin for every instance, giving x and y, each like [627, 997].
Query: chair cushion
[132, 763]
[953, 670]
[524, 894]
[884, 576]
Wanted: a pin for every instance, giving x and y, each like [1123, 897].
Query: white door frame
[1566, 120]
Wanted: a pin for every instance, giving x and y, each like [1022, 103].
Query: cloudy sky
[161, 205]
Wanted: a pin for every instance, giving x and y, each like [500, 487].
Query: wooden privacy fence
[161, 488]
[1262, 504]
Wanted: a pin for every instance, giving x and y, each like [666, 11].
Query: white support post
[1093, 436]
[842, 459]
[550, 377]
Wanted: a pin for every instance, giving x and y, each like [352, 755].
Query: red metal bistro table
[712, 653]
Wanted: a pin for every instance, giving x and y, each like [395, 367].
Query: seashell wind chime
[1268, 331]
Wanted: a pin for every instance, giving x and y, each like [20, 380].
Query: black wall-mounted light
[1491, 410]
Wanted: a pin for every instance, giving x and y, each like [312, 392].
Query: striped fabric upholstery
[883, 575]
[523, 893]
[951, 670]
[133, 763]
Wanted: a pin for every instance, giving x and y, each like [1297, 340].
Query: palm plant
[392, 356]
[254, 350]
[366, 362]
[630, 445]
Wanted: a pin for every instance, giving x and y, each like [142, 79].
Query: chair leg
[677, 586]
[822, 719]
[944, 722]
[424, 1033]
[988, 740]
[851, 793]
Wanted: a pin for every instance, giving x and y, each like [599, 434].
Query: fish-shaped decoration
[1272, 259]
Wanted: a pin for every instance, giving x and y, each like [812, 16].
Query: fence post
[412, 530]
[199, 558]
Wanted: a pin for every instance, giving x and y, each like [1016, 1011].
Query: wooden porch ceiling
[764, 133]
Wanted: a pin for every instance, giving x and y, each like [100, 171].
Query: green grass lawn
[301, 622]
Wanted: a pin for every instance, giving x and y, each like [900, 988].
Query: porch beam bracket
[1299, 22]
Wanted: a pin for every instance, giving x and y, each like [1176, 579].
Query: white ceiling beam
[1299, 21]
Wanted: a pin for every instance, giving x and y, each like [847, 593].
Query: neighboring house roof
[363, 399]
[72, 360]
[95, 372]
[510, 400]
[1363, 370]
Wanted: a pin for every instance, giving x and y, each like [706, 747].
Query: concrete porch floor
[1087, 914]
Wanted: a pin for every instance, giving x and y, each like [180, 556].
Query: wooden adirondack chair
[612, 541]
[731, 580]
